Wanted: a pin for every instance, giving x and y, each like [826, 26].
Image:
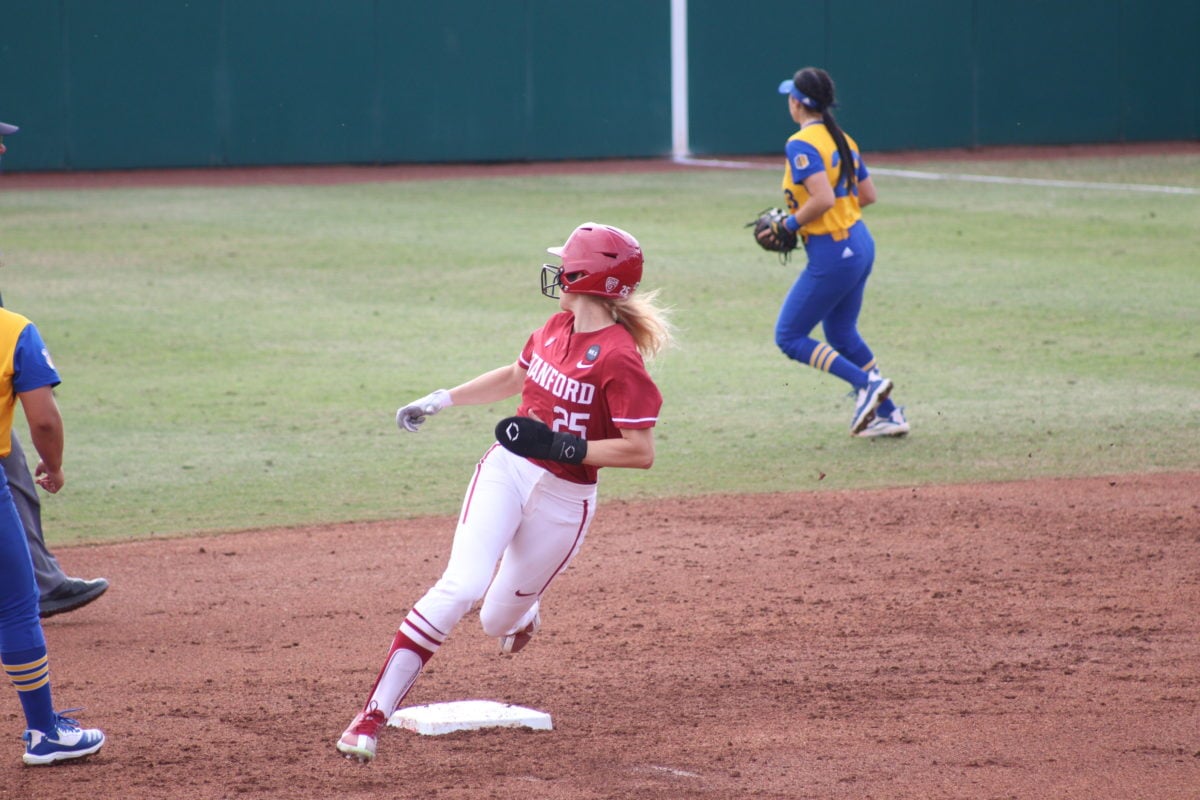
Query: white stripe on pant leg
[418, 636]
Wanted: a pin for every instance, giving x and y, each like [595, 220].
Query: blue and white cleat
[65, 741]
[868, 400]
[894, 425]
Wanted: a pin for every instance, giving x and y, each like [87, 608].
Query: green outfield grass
[233, 358]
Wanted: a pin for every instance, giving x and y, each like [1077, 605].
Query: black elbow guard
[530, 438]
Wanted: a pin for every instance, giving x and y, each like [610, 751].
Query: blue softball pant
[20, 627]
[829, 291]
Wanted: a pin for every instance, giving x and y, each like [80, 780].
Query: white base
[468, 715]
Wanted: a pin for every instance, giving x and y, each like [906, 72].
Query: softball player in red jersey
[586, 402]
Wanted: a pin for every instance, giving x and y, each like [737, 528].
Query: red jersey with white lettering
[589, 384]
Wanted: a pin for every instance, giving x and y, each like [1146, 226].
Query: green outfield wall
[956, 73]
[116, 84]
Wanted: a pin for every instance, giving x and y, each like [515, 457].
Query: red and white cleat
[515, 641]
[358, 741]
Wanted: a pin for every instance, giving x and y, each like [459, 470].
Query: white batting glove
[411, 416]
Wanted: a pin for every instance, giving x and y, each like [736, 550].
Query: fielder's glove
[771, 232]
[534, 439]
[411, 416]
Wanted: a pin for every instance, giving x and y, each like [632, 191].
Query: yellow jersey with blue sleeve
[25, 365]
[811, 150]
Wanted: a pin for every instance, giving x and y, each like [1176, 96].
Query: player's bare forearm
[46, 433]
[820, 199]
[48, 442]
[867, 193]
[634, 450]
[490, 387]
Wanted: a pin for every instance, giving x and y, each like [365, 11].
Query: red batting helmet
[597, 259]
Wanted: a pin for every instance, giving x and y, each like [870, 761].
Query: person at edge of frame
[29, 376]
[58, 592]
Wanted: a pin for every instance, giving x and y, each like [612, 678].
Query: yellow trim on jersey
[11, 326]
[846, 211]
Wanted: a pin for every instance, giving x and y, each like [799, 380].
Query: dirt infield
[1018, 640]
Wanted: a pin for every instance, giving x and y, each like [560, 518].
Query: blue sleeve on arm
[32, 367]
[803, 160]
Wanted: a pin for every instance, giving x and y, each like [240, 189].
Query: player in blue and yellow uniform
[59, 592]
[826, 184]
[27, 374]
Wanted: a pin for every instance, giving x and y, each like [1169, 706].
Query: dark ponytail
[818, 86]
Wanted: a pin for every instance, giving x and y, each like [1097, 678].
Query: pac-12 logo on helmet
[597, 259]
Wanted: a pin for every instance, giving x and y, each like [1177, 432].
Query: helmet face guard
[598, 260]
[550, 280]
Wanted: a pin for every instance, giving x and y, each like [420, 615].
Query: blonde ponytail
[646, 321]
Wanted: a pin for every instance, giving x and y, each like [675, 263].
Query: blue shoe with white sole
[868, 400]
[65, 741]
[894, 425]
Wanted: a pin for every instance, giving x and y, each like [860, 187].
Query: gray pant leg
[29, 508]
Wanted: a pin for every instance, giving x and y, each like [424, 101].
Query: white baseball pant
[530, 521]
